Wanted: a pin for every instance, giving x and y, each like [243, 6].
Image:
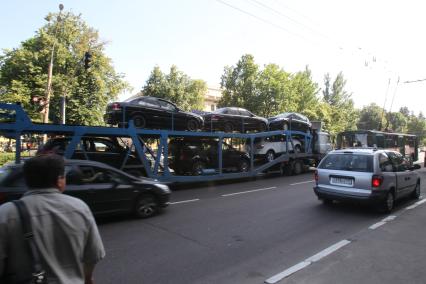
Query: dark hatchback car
[193, 156]
[230, 119]
[104, 189]
[289, 121]
[106, 150]
[151, 112]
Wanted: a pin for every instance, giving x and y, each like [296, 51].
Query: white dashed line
[306, 262]
[248, 191]
[375, 226]
[389, 218]
[184, 201]
[309, 181]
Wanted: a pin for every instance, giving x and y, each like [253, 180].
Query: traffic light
[87, 60]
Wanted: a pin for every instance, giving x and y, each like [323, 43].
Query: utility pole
[50, 71]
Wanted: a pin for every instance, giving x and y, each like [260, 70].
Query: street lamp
[50, 71]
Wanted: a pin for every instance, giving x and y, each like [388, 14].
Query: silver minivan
[371, 175]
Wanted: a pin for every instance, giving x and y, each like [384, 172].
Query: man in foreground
[65, 231]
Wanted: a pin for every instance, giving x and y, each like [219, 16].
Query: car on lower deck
[193, 155]
[152, 112]
[104, 189]
[378, 177]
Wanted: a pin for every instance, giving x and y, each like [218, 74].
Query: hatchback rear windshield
[347, 162]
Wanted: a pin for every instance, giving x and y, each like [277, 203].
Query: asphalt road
[242, 232]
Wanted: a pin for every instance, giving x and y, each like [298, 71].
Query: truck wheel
[297, 167]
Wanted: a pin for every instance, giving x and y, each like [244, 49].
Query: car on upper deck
[230, 119]
[289, 121]
[375, 176]
[152, 112]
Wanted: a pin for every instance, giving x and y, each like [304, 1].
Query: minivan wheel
[416, 192]
[139, 121]
[192, 125]
[270, 156]
[388, 203]
[146, 206]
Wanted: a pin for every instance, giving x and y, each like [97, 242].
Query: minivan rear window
[347, 162]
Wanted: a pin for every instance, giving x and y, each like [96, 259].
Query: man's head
[45, 171]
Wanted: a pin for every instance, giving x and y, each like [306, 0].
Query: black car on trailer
[230, 119]
[152, 112]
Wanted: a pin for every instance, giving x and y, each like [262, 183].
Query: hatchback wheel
[139, 121]
[146, 206]
[244, 165]
[198, 168]
[416, 192]
[228, 127]
[192, 125]
[270, 156]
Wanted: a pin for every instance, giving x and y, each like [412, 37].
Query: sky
[378, 45]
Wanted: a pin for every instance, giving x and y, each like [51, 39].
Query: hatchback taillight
[376, 181]
[116, 106]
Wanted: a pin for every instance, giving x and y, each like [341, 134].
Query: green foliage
[177, 87]
[371, 117]
[23, 71]
[342, 113]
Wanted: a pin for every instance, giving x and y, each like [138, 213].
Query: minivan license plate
[342, 181]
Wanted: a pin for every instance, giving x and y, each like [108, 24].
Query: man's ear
[61, 183]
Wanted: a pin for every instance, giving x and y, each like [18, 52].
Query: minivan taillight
[376, 181]
[116, 106]
[316, 176]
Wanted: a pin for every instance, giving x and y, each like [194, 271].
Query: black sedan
[105, 190]
[151, 112]
[290, 121]
[230, 119]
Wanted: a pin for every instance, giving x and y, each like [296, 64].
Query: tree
[177, 87]
[23, 71]
[239, 83]
[272, 91]
[343, 115]
[371, 117]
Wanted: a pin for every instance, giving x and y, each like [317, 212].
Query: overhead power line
[414, 81]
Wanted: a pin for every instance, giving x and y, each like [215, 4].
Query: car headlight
[163, 187]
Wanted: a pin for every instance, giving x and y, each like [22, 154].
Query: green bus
[406, 144]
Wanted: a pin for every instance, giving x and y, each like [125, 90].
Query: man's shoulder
[73, 201]
[7, 211]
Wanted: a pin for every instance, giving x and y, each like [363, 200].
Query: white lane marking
[249, 191]
[411, 206]
[287, 272]
[306, 262]
[309, 181]
[375, 226]
[421, 202]
[184, 201]
[389, 218]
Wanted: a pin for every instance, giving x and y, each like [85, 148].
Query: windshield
[348, 162]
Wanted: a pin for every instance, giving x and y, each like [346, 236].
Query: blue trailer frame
[22, 124]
